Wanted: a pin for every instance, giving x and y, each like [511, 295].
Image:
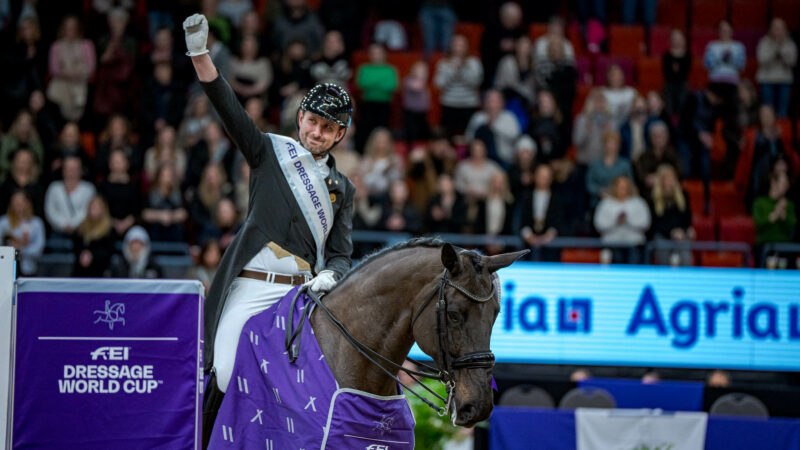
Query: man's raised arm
[245, 134]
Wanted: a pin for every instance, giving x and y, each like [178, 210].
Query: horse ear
[450, 259]
[497, 262]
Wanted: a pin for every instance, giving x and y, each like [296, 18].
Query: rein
[473, 360]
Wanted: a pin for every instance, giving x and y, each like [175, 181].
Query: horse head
[456, 334]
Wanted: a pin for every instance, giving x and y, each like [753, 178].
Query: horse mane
[425, 242]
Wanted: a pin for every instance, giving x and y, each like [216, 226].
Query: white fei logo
[111, 315]
[377, 447]
[111, 354]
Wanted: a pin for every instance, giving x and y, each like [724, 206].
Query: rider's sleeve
[247, 137]
[339, 245]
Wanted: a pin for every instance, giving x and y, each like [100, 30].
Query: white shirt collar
[322, 165]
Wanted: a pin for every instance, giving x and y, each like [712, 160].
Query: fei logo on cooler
[108, 379]
[377, 447]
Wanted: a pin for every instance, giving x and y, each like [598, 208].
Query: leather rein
[447, 364]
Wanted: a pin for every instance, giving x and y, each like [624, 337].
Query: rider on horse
[299, 217]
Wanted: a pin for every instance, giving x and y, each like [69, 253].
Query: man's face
[318, 135]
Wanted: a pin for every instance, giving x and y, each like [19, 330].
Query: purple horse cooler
[101, 364]
[274, 404]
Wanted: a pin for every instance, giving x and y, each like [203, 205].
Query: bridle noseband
[447, 364]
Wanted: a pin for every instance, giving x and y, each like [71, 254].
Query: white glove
[196, 30]
[323, 282]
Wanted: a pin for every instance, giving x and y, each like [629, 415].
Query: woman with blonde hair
[590, 125]
[212, 189]
[165, 150]
[494, 213]
[164, 213]
[22, 230]
[381, 165]
[24, 174]
[672, 216]
[93, 241]
[622, 217]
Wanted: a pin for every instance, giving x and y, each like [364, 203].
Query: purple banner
[114, 365]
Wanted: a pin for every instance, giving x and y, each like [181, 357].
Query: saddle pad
[274, 404]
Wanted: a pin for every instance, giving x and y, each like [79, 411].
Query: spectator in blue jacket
[605, 169]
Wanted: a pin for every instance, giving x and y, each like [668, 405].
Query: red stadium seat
[749, 38]
[785, 126]
[575, 36]
[583, 65]
[88, 143]
[726, 199]
[473, 32]
[580, 255]
[580, 98]
[402, 61]
[788, 10]
[704, 227]
[536, 30]
[698, 76]
[435, 112]
[750, 69]
[649, 76]
[414, 33]
[749, 14]
[672, 13]
[721, 259]
[602, 64]
[358, 58]
[401, 148]
[694, 189]
[626, 40]
[708, 13]
[718, 147]
[699, 39]
[737, 229]
[659, 40]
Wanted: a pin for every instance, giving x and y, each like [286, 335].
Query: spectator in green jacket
[377, 81]
[774, 214]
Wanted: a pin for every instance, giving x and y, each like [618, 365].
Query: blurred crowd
[106, 139]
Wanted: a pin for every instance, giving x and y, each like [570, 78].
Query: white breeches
[246, 298]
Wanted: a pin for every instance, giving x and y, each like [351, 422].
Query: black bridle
[447, 364]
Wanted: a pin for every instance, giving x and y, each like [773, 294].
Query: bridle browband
[447, 364]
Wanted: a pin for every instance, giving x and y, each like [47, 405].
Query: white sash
[309, 189]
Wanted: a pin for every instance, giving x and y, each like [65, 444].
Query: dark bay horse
[423, 291]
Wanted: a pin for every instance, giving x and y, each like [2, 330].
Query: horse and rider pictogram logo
[111, 315]
[384, 425]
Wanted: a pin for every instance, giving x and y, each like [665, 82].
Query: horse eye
[454, 316]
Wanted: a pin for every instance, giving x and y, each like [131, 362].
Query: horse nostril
[467, 412]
